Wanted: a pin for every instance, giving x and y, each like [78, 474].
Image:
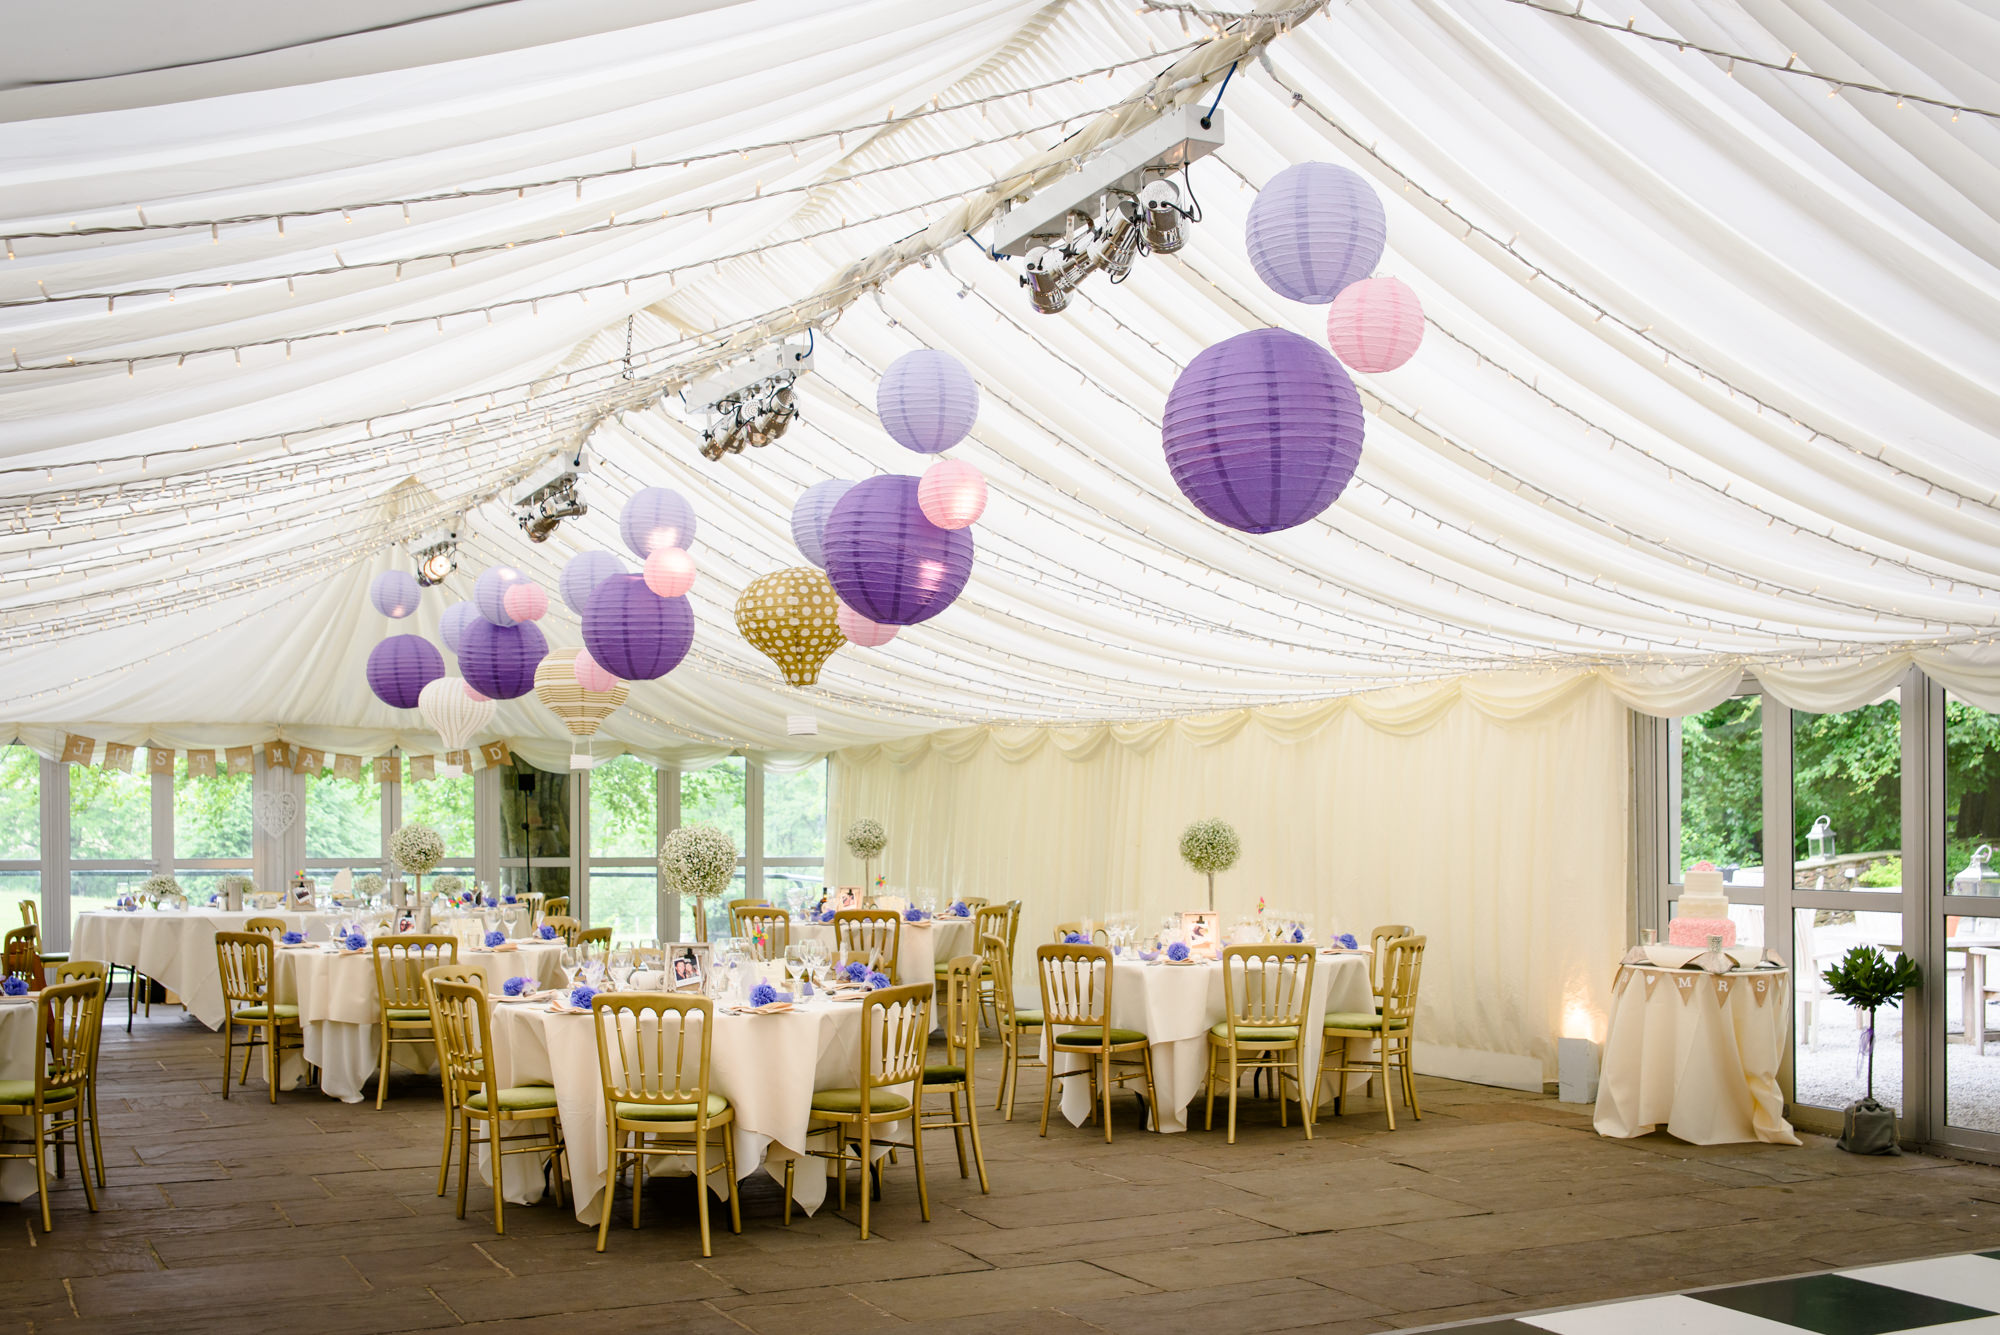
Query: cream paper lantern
[581, 710]
[453, 712]
[791, 616]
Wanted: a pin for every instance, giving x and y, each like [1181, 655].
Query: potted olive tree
[1867, 981]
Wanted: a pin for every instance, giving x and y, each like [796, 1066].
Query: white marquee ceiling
[1713, 368]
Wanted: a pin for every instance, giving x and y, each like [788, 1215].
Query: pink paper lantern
[670, 571]
[952, 493]
[860, 630]
[589, 675]
[525, 602]
[1375, 324]
[474, 692]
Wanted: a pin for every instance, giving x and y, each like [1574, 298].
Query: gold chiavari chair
[472, 976]
[1377, 939]
[895, 1028]
[555, 906]
[656, 1096]
[1266, 991]
[53, 1102]
[769, 930]
[879, 931]
[246, 962]
[31, 916]
[465, 1049]
[83, 971]
[400, 966]
[1076, 994]
[568, 928]
[1018, 1027]
[955, 1075]
[974, 902]
[21, 957]
[594, 940]
[1392, 1028]
[989, 920]
[274, 928]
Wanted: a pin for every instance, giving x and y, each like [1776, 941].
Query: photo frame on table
[301, 898]
[1201, 931]
[687, 965]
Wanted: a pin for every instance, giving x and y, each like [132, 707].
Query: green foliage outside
[20, 803]
[1722, 785]
[714, 796]
[1848, 767]
[110, 815]
[211, 816]
[446, 806]
[343, 819]
[624, 810]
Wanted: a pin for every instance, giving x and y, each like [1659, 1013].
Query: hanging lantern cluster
[402, 665]
[793, 617]
[639, 627]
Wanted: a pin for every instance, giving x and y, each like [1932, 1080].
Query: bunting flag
[422, 768]
[160, 760]
[1652, 977]
[347, 767]
[242, 759]
[201, 764]
[117, 756]
[277, 755]
[1622, 981]
[458, 760]
[78, 749]
[494, 753]
[1723, 984]
[308, 762]
[388, 769]
[1684, 983]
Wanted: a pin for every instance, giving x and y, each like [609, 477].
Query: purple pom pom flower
[546, 932]
[855, 972]
[518, 986]
[294, 938]
[1298, 935]
[1076, 939]
[960, 909]
[580, 996]
[1177, 952]
[877, 981]
[913, 914]
[495, 939]
[14, 987]
[826, 916]
[1347, 939]
[763, 994]
[354, 941]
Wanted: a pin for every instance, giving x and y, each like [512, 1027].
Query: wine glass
[510, 918]
[621, 967]
[795, 966]
[569, 962]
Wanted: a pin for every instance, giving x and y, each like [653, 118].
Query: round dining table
[176, 947]
[766, 1064]
[1175, 1005]
[18, 1054]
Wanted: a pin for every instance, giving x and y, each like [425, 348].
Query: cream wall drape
[1495, 821]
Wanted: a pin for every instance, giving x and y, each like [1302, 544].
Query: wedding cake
[1704, 909]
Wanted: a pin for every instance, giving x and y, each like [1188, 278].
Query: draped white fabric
[1710, 382]
[1500, 833]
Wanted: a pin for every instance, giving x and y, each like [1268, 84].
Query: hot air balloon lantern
[791, 616]
[580, 709]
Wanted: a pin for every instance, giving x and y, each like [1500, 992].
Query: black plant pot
[1866, 1127]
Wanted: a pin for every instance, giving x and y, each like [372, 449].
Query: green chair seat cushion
[1090, 1036]
[1256, 1033]
[1026, 1019]
[517, 1098]
[943, 1075]
[1360, 1020]
[20, 1093]
[281, 1010]
[849, 1101]
[408, 1014]
[670, 1112]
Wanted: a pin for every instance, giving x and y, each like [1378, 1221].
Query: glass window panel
[718, 911]
[624, 810]
[19, 885]
[89, 890]
[551, 881]
[20, 803]
[211, 817]
[110, 815]
[793, 887]
[1829, 1064]
[534, 812]
[1972, 1022]
[714, 796]
[343, 819]
[1847, 797]
[1722, 790]
[446, 806]
[795, 813]
[625, 900]
[1971, 799]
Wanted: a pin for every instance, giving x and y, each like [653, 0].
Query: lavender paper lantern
[451, 626]
[633, 633]
[927, 400]
[1375, 325]
[1262, 431]
[887, 561]
[1313, 229]
[395, 593]
[809, 517]
[489, 592]
[585, 571]
[499, 661]
[656, 517]
[400, 667]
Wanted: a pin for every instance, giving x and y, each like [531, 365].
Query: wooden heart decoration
[275, 812]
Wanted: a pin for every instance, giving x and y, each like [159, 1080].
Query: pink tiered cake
[1704, 910]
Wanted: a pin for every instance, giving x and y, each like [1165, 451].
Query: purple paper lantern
[656, 517]
[499, 661]
[1263, 430]
[633, 633]
[1313, 229]
[395, 593]
[583, 574]
[927, 400]
[809, 517]
[489, 593]
[451, 626]
[400, 667]
[887, 561]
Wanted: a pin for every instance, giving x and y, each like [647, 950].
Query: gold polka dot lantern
[790, 615]
[580, 710]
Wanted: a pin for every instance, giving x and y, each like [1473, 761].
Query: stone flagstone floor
[313, 1216]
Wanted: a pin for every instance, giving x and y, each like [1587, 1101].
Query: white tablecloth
[1697, 1053]
[918, 949]
[177, 949]
[340, 1009]
[1174, 1006]
[767, 1066]
[17, 1062]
